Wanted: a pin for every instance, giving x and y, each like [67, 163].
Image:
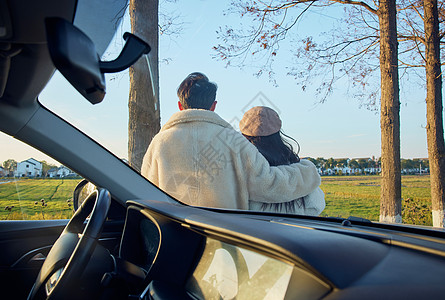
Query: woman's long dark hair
[277, 151]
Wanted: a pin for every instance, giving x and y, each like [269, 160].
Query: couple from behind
[199, 159]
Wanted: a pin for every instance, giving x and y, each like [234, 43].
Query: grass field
[345, 196]
[360, 196]
[21, 199]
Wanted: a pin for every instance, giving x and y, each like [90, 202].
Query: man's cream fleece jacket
[199, 159]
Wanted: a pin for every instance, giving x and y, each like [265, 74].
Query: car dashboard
[195, 253]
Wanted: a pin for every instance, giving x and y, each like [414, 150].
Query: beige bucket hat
[260, 121]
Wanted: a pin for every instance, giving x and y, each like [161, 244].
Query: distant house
[52, 173]
[60, 172]
[29, 168]
[65, 172]
[373, 170]
[3, 172]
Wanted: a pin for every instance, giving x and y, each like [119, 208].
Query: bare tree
[434, 128]
[391, 188]
[420, 30]
[148, 21]
[344, 55]
[143, 103]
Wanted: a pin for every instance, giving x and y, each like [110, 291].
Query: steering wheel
[71, 252]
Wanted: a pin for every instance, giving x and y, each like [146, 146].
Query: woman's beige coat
[310, 205]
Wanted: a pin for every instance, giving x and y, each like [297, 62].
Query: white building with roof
[60, 172]
[29, 168]
[64, 172]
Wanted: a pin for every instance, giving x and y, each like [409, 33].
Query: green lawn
[22, 198]
[360, 196]
[345, 196]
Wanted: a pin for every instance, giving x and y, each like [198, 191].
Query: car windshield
[283, 60]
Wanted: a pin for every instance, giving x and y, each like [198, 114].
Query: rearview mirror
[74, 55]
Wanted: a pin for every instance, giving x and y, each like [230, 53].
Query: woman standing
[262, 127]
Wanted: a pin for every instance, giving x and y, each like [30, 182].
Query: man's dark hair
[196, 91]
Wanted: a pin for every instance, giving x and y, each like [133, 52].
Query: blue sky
[338, 128]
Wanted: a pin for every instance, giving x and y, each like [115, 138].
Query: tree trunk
[390, 195]
[434, 119]
[143, 104]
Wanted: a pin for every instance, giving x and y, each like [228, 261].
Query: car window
[340, 134]
[33, 186]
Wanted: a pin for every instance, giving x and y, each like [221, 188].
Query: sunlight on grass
[345, 196]
[37, 199]
[359, 196]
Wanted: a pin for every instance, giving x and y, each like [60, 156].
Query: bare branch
[416, 38]
[411, 65]
[359, 3]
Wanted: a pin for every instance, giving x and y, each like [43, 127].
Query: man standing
[199, 159]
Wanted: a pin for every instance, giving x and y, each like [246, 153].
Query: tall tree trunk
[143, 106]
[434, 119]
[390, 195]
